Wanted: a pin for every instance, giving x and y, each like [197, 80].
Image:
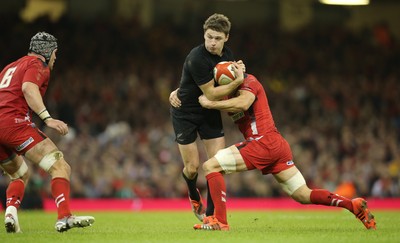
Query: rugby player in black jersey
[189, 118]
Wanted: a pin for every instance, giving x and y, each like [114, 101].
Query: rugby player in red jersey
[23, 84]
[266, 150]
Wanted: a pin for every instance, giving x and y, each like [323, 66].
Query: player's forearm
[219, 92]
[230, 105]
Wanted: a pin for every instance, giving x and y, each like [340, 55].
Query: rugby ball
[224, 73]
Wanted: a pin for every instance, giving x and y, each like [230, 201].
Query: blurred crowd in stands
[334, 94]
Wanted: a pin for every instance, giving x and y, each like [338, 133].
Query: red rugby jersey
[13, 106]
[257, 120]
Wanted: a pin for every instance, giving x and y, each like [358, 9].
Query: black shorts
[207, 124]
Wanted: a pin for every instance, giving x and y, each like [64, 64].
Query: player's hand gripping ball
[224, 73]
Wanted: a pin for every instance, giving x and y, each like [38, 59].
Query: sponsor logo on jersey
[24, 144]
[289, 163]
[237, 116]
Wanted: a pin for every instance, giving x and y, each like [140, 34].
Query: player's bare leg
[293, 183]
[50, 159]
[190, 157]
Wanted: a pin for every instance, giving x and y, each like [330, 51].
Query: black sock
[210, 203]
[191, 183]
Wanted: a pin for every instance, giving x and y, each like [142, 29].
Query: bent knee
[48, 161]
[191, 170]
[55, 164]
[211, 165]
[207, 167]
[22, 173]
[61, 167]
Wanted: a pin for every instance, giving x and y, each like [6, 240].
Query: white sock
[12, 210]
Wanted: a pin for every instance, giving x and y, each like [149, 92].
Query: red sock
[327, 198]
[60, 188]
[218, 194]
[15, 193]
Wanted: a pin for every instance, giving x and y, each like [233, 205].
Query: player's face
[52, 59]
[214, 41]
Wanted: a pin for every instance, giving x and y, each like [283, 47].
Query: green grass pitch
[176, 226]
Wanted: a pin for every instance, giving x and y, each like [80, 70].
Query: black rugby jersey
[198, 70]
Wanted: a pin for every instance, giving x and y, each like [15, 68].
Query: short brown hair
[218, 22]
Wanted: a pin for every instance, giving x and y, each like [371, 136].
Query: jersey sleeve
[200, 70]
[36, 73]
[250, 84]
